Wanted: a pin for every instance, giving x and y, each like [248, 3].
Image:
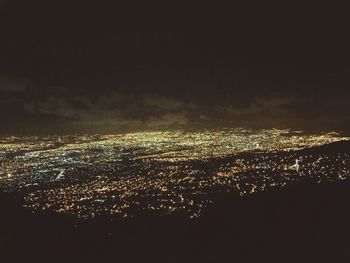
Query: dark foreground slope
[303, 223]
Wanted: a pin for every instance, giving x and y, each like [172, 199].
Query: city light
[160, 172]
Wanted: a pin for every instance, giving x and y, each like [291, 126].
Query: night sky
[98, 66]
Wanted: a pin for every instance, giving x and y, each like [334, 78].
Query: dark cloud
[13, 84]
[116, 111]
[111, 111]
[290, 112]
[83, 66]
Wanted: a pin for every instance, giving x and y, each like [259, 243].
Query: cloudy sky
[97, 66]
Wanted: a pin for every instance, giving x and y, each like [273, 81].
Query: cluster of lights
[159, 172]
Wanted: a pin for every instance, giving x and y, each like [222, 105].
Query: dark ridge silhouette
[331, 148]
[304, 222]
[335, 147]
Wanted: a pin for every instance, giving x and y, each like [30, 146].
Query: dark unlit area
[304, 222]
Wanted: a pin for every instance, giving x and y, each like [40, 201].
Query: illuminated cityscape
[173, 172]
[162, 131]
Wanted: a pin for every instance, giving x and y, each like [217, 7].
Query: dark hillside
[304, 223]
